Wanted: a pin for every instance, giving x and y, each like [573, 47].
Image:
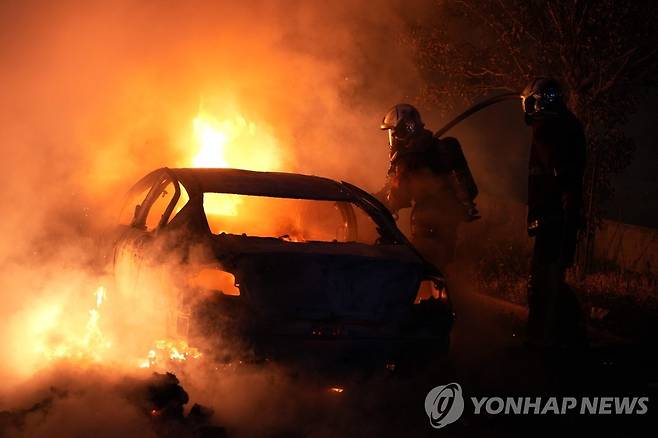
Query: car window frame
[161, 180]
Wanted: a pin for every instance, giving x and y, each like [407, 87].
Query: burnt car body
[281, 295]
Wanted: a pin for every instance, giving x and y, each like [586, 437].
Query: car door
[142, 279]
[146, 211]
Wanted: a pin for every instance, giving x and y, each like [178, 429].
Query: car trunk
[322, 281]
[322, 302]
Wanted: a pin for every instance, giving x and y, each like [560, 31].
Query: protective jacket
[433, 175]
[555, 173]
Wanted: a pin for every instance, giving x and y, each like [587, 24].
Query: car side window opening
[293, 220]
[150, 200]
[182, 201]
[139, 200]
[132, 206]
[163, 197]
[161, 203]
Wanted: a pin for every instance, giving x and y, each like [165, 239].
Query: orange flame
[234, 142]
[169, 350]
[89, 346]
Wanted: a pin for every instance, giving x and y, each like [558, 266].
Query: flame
[234, 142]
[212, 141]
[89, 346]
[100, 296]
[169, 350]
[231, 142]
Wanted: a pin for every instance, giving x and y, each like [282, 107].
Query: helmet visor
[399, 135]
[530, 104]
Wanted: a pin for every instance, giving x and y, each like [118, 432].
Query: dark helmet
[402, 122]
[543, 96]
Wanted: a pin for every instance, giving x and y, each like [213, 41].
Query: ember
[169, 350]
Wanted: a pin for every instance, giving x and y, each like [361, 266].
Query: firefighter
[555, 173]
[430, 175]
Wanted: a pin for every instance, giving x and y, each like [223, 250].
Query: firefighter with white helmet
[430, 175]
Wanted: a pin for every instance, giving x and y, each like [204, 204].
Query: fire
[233, 142]
[169, 350]
[212, 138]
[89, 345]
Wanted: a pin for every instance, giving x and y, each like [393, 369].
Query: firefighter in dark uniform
[555, 174]
[430, 175]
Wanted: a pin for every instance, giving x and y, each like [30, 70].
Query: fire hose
[473, 213]
[463, 177]
[475, 108]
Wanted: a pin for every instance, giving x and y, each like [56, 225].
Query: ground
[487, 358]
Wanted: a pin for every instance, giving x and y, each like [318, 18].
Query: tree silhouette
[603, 52]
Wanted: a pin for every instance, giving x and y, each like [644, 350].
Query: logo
[444, 405]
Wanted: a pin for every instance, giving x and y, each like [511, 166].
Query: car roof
[249, 182]
[197, 181]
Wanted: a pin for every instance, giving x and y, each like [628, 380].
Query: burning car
[286, 264]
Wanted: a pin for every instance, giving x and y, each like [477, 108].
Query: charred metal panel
[358, 296]
[272, 184]
[321, 286]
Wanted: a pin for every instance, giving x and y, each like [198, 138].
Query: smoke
[69, 402]
[95, 95]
